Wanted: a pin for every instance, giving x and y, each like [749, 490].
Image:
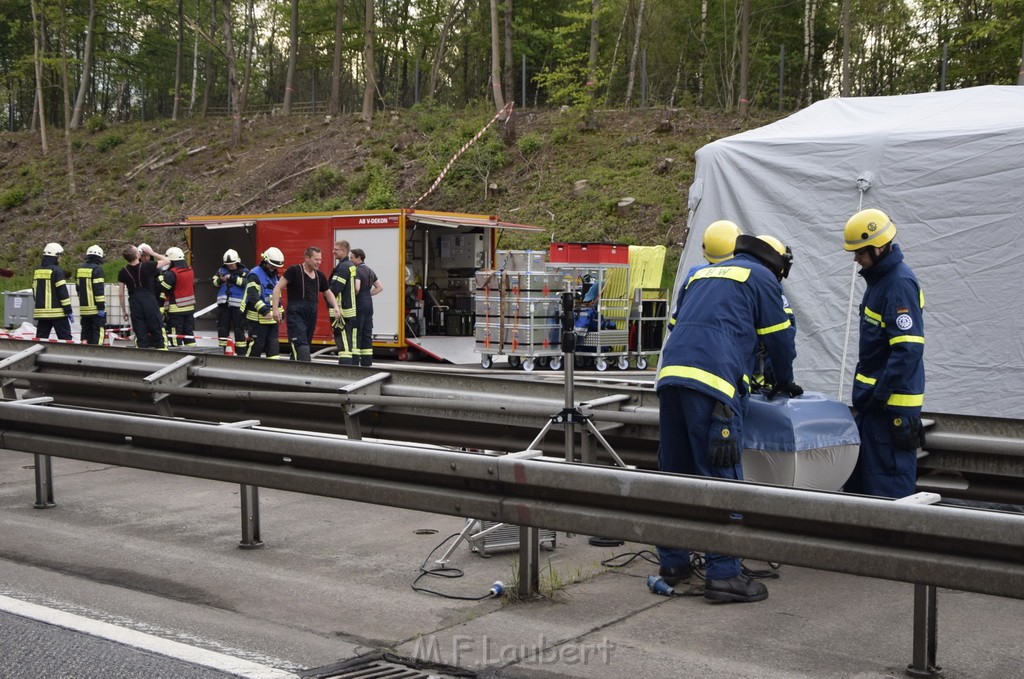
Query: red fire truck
[426, 262]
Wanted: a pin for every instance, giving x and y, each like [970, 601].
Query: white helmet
[231, 257]
[143, 249]
[53, 250]
[274, 256]
[174, 254]
[94, 250]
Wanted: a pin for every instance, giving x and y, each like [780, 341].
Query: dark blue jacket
[890, 368]
[725, 310]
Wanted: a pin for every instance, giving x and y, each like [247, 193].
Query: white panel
[382, 253]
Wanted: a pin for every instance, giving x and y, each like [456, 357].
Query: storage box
[516, 335]
[529, 283]
[18, 307]
[589, 253]
[521, 260]
[487, 279]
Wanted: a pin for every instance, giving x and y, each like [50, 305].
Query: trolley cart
[648, 321]
[517, 315]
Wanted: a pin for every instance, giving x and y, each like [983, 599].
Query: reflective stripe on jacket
[52, 298]
[91, 297]
[177, 286]
[259, 287]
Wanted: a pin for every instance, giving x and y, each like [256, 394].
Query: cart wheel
[623, 363]
[601, 364]
[556, 363]
[514, 361]
[543, 361]
[641, 363]
[486, 361]
[528, 365]
[403, 354]
[580, 361]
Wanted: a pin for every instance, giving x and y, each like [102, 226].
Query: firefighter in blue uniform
[888, 386]
[718, 245]
[92, 301]
[178, 292]
[259, 312]
[703, 386]
[52, 299]
[230, 283]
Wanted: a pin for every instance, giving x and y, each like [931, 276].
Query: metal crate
[491, 537]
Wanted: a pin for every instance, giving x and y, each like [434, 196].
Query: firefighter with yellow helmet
[888, 384]
[259, 310]
[725, 310]
[718, 245]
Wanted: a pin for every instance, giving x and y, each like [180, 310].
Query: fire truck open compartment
[425, 261]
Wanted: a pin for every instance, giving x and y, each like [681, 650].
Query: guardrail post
[925, 633]
[174, 375]
[367, 386]
[44, 482]
[250, 501]
[24, 360]
[529, 557]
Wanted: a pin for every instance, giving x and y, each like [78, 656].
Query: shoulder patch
[904, 322]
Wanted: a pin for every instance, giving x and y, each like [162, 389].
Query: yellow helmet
[720, 240]
[774, 242]
[869, 227]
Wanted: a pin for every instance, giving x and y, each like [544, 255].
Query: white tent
[948, 168]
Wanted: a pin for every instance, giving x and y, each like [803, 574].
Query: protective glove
[723, 439]
[102, 315]
[906, 431]
[339, 322]
[790, 389]
[71, 319]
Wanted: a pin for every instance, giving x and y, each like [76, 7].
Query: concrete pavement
[159, 553]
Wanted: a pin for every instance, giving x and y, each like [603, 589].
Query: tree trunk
[195, 64]
[250, 46]
[638, 29]
[442, 45]
[499, 100]
[65, 85]
[702, 62]
[178, 58]
[844, 88]
[368, 67]
[208, 85]
[595, 34]
[293, 56]
[334, 106]
[509, 80]
[39, 76]
[615, 54]
[233, 92]
[83, 87]
[1020, 77]
[744, 100]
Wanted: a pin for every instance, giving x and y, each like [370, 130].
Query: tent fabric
[948, 168]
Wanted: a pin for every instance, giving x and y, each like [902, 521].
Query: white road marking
[141, 640]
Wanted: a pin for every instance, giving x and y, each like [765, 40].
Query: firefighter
[138, 280]
[367, 285]
[230, 283]
[718, 245]
[259, 290]
[178, 295]
[92, 302]
[343, 285]
[888, 385]
[52, 298]
[703, 386]
[305, 283]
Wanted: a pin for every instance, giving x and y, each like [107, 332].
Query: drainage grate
[380, 666]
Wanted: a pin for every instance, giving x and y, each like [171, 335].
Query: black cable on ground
[447, 572]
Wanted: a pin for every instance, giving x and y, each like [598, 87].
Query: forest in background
[130, 60]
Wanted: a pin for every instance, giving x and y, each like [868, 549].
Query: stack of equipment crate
[517, 312]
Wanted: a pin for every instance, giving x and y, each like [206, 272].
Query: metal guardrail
[966, 549]
[478, 411]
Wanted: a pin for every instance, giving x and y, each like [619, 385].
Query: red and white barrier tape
[506, 112]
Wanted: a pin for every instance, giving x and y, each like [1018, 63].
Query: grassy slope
[387, 164]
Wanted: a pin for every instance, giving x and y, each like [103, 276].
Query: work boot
[673, 576]
[741, 589]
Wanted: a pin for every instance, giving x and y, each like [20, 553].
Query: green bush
[13, 197]
[322, 182]
[380, 189]
[95, 124]
[109, 141]
[530, 143]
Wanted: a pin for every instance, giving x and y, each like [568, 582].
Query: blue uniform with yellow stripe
[888, 387]
[724, 311]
